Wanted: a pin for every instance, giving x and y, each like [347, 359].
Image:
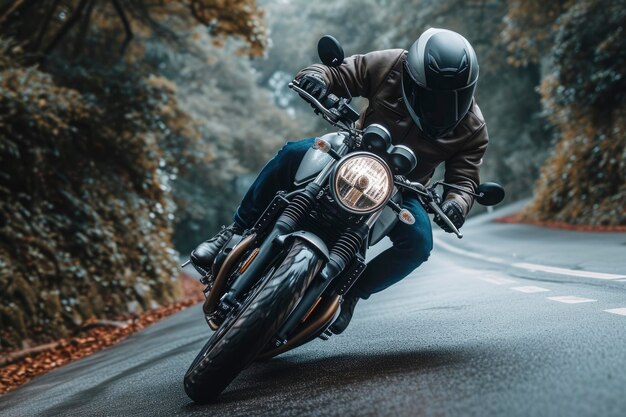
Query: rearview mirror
[489, 194]
[330, 51]
[402, 160]
[376, 138]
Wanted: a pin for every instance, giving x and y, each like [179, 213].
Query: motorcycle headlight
[362, 183]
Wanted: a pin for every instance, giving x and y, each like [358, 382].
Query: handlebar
[427, 195]
[336, 117]
[420, 189]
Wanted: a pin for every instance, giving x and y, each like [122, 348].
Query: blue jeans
[411, 243]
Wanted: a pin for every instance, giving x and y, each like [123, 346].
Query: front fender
[314, 241]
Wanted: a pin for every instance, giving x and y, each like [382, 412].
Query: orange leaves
[529, 27]
[81, 199]
[582, 182]
[30, 93]
[95, 336]
[112, 26]
[239, 18]
[161, 83]
[584, 95]
[97, 152]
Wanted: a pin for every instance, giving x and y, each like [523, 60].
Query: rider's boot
[347, 310]
[204, 254]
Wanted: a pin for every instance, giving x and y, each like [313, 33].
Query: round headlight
[362, 183]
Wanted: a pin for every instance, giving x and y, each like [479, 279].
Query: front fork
[344, 258]
[287, 223]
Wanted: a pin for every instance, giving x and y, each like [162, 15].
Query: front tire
[242, 337]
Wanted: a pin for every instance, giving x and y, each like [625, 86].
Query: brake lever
[415, 187]
[421, 189]
[437, 210]
[334, 118]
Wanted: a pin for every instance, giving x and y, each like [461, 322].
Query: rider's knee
[422, 250]
[284, 152]
[417, 246]
[289, 157]
[288, 147]
[293, 149]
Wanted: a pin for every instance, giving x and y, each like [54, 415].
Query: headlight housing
[362, 183]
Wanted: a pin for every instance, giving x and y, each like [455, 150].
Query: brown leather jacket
[377, 76]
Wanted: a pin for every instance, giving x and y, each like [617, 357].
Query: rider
[425, 98]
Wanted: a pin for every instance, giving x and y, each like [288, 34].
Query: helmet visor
[437, 111]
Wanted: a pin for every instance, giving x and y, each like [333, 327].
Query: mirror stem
[345, 87]
[456, 187]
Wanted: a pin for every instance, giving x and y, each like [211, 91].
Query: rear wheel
[247, 331]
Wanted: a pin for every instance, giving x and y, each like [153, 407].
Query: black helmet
[438, 80]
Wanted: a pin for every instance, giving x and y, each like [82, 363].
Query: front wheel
[247, 331]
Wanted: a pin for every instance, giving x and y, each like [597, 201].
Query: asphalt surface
[482, 329]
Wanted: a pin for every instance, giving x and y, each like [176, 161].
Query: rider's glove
[454, 212]
[314, 85]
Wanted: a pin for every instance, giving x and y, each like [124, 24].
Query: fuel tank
[315, 160]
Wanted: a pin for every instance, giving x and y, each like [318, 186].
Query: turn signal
[322, 145]
[406, 217]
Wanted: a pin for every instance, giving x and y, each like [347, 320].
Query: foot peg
[326, 335]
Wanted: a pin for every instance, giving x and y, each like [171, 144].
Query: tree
[584, 94]
[46, 25]
[93, 141]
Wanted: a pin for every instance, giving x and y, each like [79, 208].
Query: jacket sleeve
[362, 74]
[463, 168]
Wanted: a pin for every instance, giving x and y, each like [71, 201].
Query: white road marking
[565, 271]
[570, 299]
[469, 254]
[498, 280]
[620, 311]
[530, 266]
[530, 289]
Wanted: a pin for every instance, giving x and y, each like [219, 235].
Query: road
[513, 320]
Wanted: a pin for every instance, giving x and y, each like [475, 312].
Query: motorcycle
[280, 284]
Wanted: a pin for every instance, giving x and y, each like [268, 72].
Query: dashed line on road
[529, 266]
[570, 299]
[530, 289]
[620, 311]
